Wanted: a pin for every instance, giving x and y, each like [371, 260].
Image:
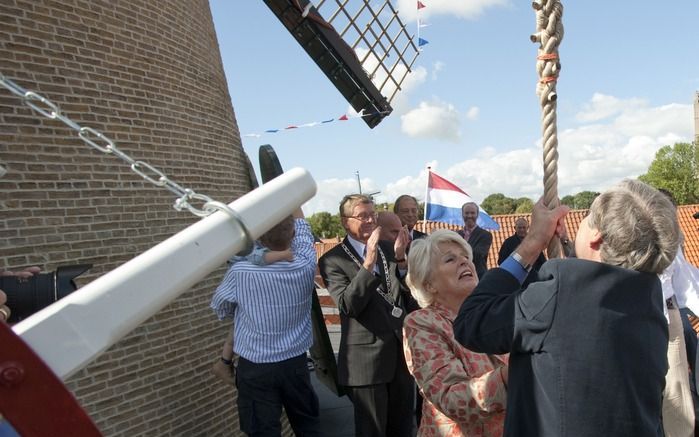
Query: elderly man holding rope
[587, 339]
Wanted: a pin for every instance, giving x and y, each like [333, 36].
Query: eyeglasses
[363, 217]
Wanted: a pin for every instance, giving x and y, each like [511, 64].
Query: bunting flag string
[343, 117]
[420, 24]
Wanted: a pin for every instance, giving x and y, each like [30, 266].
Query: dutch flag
[444, 200]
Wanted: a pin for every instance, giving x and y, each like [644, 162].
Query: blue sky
[469, 108]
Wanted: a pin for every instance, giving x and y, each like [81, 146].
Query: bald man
[390, 226]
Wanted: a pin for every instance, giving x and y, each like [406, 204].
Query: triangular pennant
[420, 5]
[343, 117]
[311, 124]
[421, 42]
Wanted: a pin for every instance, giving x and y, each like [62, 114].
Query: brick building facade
[148, 74]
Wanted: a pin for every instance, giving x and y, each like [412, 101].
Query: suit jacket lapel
[357, 256]
[475, 233]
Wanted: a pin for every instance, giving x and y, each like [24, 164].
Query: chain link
[98, 141]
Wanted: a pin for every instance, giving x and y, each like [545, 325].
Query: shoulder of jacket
[332, 254]
[422, 317]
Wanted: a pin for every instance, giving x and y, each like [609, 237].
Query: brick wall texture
[148, 74]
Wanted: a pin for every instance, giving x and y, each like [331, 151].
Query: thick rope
[549, 33]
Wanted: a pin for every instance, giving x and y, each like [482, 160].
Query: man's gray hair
[348, 203]
[638, 225]
[424, 254]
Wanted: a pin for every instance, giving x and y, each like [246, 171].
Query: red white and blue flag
[444, 201]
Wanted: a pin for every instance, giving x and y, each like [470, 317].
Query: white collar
[681, 279]
[357, 245]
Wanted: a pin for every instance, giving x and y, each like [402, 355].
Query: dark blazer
[371, 339]
[587, 342]
[417, 235]
[480, 241]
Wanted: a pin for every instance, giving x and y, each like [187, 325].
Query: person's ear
[430, 288]
[596, 240]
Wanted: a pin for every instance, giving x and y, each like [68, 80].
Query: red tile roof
[689, 226]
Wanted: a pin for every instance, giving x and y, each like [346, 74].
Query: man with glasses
[364, 276]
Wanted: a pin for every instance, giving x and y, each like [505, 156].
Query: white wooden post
[71, 332]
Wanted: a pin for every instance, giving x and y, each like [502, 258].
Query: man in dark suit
[512, 242]
[405, 208]
[478, 238]
[588, 339]
[364, 276]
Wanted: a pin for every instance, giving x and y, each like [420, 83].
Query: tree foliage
[676, 169]
[525, 205]
[498, 203]
[326, 225]
[581, 200]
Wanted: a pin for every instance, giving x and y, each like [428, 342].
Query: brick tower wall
[148, 74]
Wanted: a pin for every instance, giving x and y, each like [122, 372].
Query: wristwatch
[517, 257]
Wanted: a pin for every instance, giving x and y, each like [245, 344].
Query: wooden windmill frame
[364, 50]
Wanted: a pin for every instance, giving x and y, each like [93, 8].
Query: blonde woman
[464, 391]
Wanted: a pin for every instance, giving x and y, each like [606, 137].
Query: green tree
[420, 210]
[524, 205]
[326, 225]
[568, 200]
[584, 199]
[676, 169]
[581, 200]
[498, 203]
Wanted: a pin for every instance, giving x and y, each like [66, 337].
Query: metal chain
[104, 144]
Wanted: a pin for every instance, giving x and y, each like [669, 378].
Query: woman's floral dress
[464, 392]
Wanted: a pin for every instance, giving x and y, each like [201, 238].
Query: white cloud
[591, 157]
[331, 191]
[438, 120]
[437, 67]
[469, 10]
[473, 113]
[594, 157]
[602, 106]
[414, 186]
